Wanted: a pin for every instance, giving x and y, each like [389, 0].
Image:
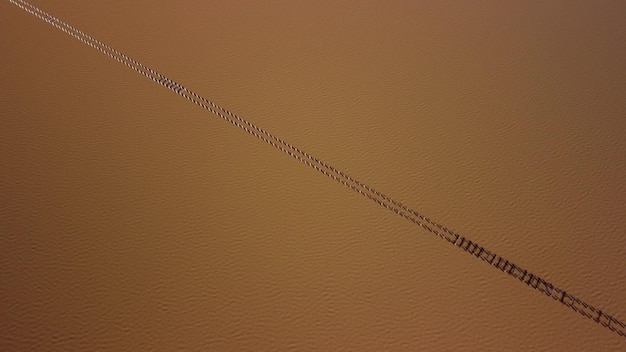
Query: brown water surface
[133, 220]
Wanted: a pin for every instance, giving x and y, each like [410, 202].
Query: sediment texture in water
[131, 219]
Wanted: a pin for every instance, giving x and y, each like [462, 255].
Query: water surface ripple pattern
[531, 280]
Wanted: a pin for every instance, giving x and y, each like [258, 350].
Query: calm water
[131, 219]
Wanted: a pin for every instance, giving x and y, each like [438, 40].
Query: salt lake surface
[131, 219]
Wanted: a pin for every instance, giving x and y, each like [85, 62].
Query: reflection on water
[136, 220]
